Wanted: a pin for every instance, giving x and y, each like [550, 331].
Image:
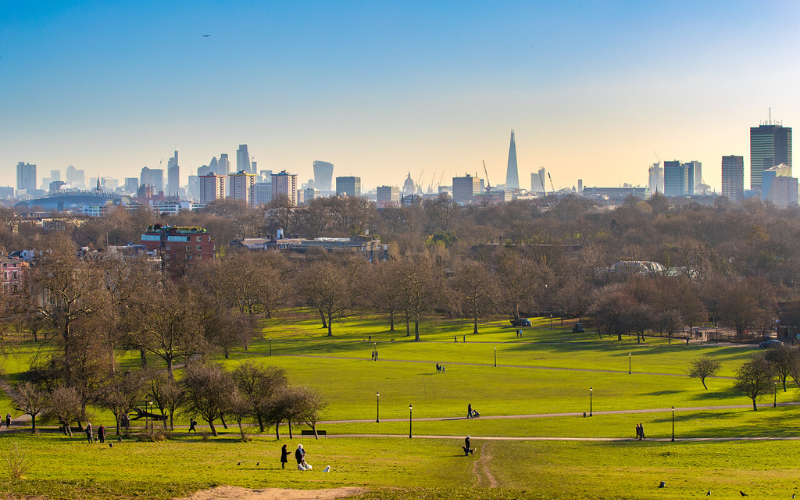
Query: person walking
[641, 430]
[8, 420]
[469, 410]
[284, 456]
[89, 436]
[192, 424]
[300, 456]
[467, 447]
[638, 432]
[101, 434]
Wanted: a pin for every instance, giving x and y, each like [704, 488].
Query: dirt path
[481, 470]
[236, 493]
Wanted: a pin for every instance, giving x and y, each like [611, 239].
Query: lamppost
[629, 363]
[590, 401]
[775, 401]
[673, 424]
[378, 402]
[409, 420]
[495, 356]
[270, 346]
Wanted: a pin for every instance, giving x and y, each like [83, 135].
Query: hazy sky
[379, 89]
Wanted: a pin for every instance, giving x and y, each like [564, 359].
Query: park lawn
[735, 423]
[402, 468]
[350, 387]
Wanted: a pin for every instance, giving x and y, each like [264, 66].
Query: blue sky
[383, 88]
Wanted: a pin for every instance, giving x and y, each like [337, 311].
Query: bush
[205, 436]
[17, 461]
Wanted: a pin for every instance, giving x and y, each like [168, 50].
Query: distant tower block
[512, 174]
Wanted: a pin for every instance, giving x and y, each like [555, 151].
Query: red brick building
[179, 246]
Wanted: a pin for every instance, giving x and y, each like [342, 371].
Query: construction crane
[551, 183]
[419, 186]
[541, 181]
[488, 184]
[430, 186]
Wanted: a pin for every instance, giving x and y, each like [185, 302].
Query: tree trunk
[416, 329]
[241, 429]
[290, 429]
[391, 321]
[225, 350]
[322, 315]
[475, 323]
[408, 325]
[33, 423]
[224, 424]
[117, 426]
[703, 380]
[213, 429]
[330, 320]
[171, 423]
[278, 431]
[260, 424]
[169, 368]
[755, 408]
[143, 357]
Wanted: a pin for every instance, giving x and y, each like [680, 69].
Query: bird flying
[206, 36]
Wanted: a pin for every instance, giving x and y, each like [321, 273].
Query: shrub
[17, 461]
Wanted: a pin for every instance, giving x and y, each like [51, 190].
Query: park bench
[310, 432]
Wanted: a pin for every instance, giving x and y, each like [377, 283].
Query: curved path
[481, 470]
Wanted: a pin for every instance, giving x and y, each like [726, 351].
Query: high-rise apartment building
[676, 178]
[783, 192]
[76, 177]
[655, 179]
[770, 145]
[285, 184]
[131, 185]
[323, 176]
[212, 188]
[769, 175]
[348, 186]
[243, 187]
[243, 160]
[465, 188]
[512, 172]
[26, 176]
[733, 178]
[173, 176]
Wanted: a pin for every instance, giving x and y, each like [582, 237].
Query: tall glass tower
[512, 174]
[770, 145]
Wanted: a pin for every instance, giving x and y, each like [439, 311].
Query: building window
[188, 249]
[199, 248]
[214, 247]
[167, 247]
[199, 238]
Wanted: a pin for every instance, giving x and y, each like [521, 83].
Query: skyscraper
[733, 178]
[223, 165]
[769, 175]
[695, 176]
[676, 178]
[173, 176]
[348, 186]
[512, 174]
[76, 177]
[465, 188]
[26, 176]
[537, 181]
[243, 160]
[770, 145]
[323, 175]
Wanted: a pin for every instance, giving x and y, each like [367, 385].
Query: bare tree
[311, 406]
[420, 288]
[755, 378]
[476, 290]
[783, 358]
[121, 393]
[331, 287]
[30, 400]
[209, 390]
[258, 386]
[703, 368]
[65, 406]
[167, 394]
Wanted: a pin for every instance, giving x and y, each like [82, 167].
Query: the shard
[512, 174]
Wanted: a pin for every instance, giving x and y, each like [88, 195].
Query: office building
[323, 176]
[770, 145]
[206, 170]
[733, 178]
[388, 196]
[769, 174]
[695, 173]
[55, 175]
[309, 194]
[153, 177]
[223, 165]
[213, 166]
[465, 188]
[212, 188]
[285, 184]
[263, 192]
[655, 178]
[131, 185]
[512, 172]
[243, 187]
[26, 176]
[76, 178]
[243, 160]
[173, 176]
[348, 186]
[537, 181]
[676, 178]
[193, 188]
[783, 192]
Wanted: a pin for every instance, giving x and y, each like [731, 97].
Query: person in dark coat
[467, 448]
[284, 456]
[101, 433]
[192, 423]
[469, 410]
[641, 430]
[89, 435]
[8, 420]
[300, 456]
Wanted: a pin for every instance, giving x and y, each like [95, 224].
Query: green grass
[547, 371]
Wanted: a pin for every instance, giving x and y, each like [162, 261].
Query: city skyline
[591, 90]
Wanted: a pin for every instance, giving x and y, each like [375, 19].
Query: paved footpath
[579, 439]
